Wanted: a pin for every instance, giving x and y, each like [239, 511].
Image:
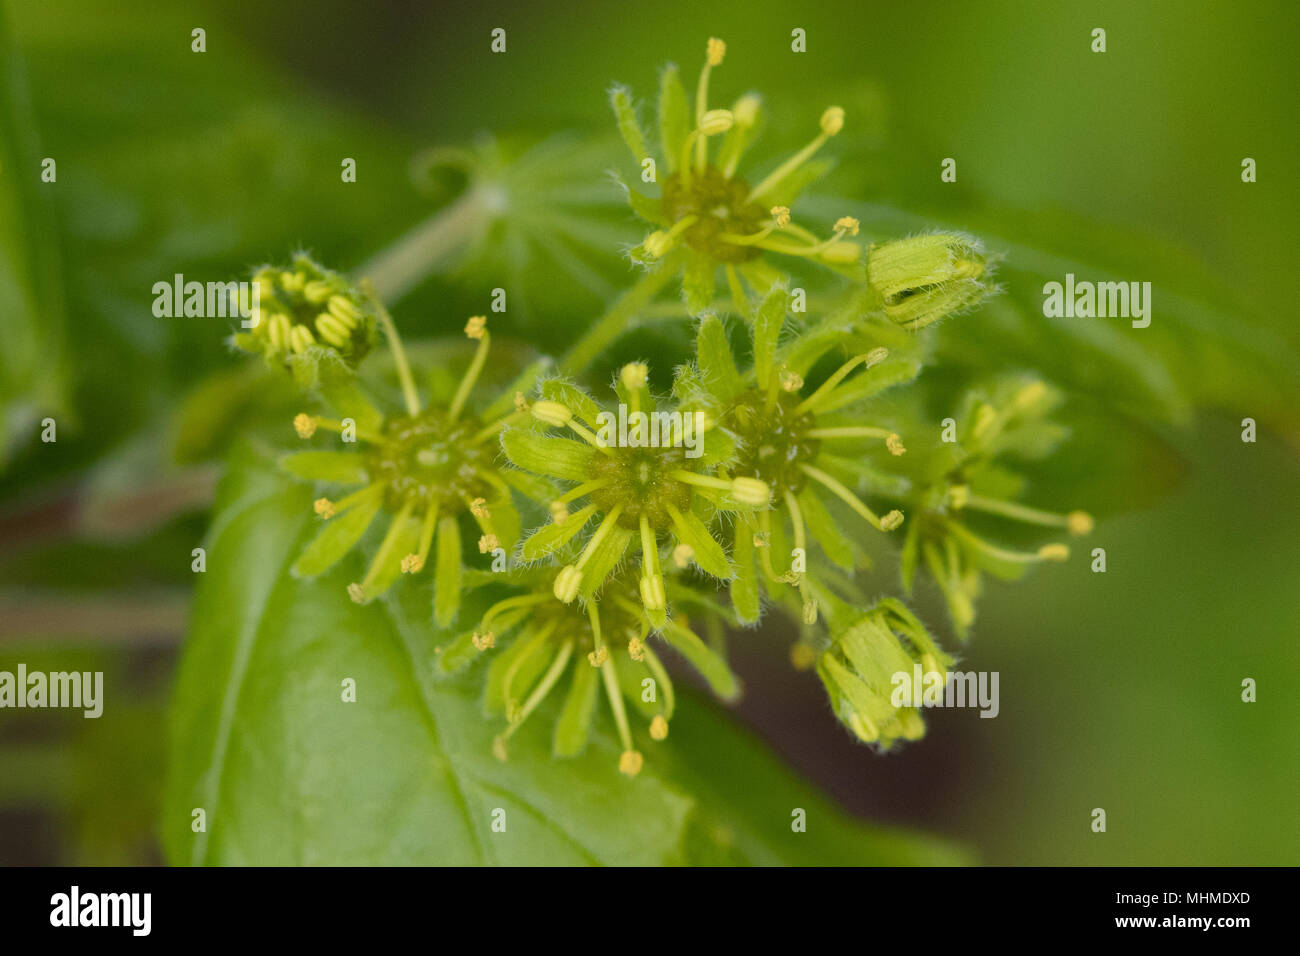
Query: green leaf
[716, 361]
[545, 455]
[674, 117]
[288, 773]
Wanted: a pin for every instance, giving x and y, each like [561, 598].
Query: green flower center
[639, 480]
[722, 205]
[774, 441]
[429, 459]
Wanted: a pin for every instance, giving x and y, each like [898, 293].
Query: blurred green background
[1119, 690]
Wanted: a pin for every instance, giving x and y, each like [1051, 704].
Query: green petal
[533, 487]
[907, 560]
[347, 399]
[708, 553]
[574, 722]
[402, 540]
[339, 535]
[458, 654]
[505, 520]
[527, 657]
[711, 667]
[336, 466]
[744, 586]
[628, 126]
[630, 675]
[604, 559]
[718, 365]
[651, 210]
[768, 319]
[823, 529]
[545, 455]
[698, 282]
[674, 117]
[549, 537]
[446, 584]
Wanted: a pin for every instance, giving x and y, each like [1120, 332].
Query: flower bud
[567, 583]
[715, 122]
[552, 413]
[750, 491]
[925, 278]
[832, 120]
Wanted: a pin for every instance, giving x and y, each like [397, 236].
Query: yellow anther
[552, 413]
[745, 110]
[567, 583]
[832, 120]
[1078, 523]
[476, 326]
[412, 564]
[791, 381]
[357, 593]
[809, 612]
[304, 425]
[488, 542]
[324, 507]
[715, 122]
[892, 520]
[634, 374]
[1054, 552]
[596, 658]
[630, 762]
[658, 727]
[682, 555]
[636, 649]
[652, 593]
[316, 292]
[344, 310]
[484, 641]
[895, 444]
[781, 215]
[559, 511]
[521, 403]
[715, 51]
[478, 508]
[847, 224]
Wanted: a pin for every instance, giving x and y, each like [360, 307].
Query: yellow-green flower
[805, 444]
[859, 669]
[707, 216]
[964, 483]
[926, 278]
[652, 493]
[424, 468]
[534, 641]
[306, 311]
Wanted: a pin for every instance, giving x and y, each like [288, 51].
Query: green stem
[606, 329]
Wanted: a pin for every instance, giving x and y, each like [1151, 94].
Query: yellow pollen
[658, 727]
[412, 564]
[895, 444]
[476, 326]
[324, 507]
[791, 381]
[715, 51]
[304, 425]
[1079, 523]
[484, 641]
[521, 403]
[559, 511]
[629, 762]
[357, 593]
[682, 555]
[782, 216]
[636, 649]
[489, 542]
[847, 224]
[596, 658]
[478, 508]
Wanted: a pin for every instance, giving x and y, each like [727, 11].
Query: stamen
[892, 520]
[630, 761]
[383, 556]
[1076, 522]
[1048, 552]
[780, 220]
[476, 328]
[823, 393]
[544, 687]
[832, 121]
[414, 563]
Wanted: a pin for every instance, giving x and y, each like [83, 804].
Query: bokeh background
[1119, 691]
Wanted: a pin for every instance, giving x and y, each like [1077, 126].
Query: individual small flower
[797, 442]
[305, 311]
[424, 466]
[869, 658]
[965, 482]
[706, 210]
[635, 470]
[601, 648]
[929, 277]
